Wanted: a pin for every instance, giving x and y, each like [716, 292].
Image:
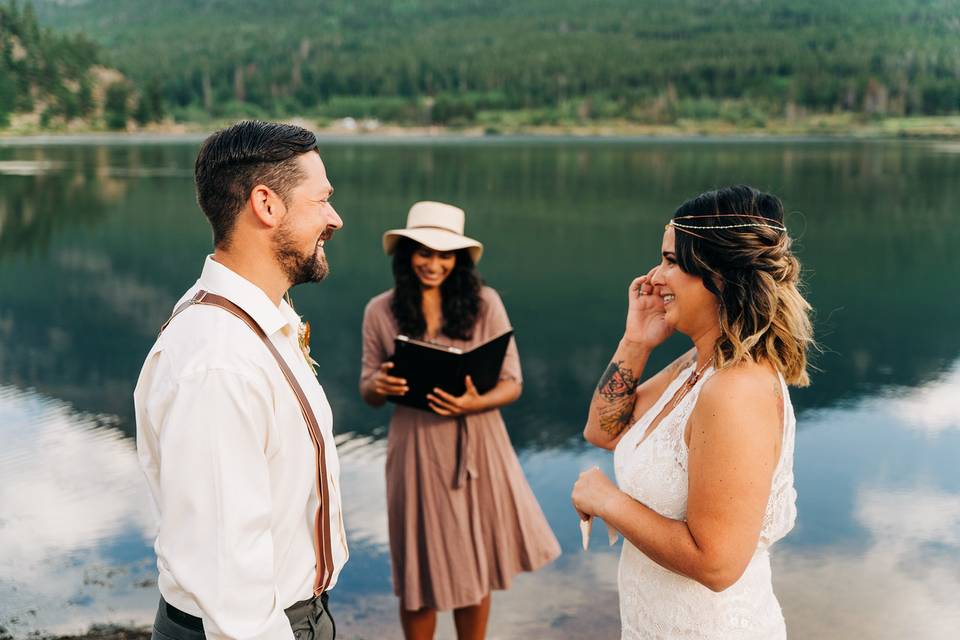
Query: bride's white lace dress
[657, 603]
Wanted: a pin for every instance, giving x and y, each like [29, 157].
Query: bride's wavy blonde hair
[735, 240]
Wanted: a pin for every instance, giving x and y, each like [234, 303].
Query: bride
[703, 450]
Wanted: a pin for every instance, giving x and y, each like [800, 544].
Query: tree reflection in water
[97, 243]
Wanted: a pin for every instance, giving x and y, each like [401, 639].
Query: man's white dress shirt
[231, 465]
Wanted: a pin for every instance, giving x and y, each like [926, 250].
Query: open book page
[427, 366]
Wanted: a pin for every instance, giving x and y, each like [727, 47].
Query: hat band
[430, 226]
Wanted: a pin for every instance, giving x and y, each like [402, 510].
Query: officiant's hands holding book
[385, 384]
[446, 404]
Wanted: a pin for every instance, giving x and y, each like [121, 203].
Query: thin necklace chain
[691, 382]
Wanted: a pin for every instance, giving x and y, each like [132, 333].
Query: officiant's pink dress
[463, 520]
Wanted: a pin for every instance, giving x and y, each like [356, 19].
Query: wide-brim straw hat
[435, 225]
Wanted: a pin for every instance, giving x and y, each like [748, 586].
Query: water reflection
[903, 585]
[934, 407]
[97, 242]
[27, 167]
[96, 249]
[76, 529]
[876, 552]
[562, 597]
[79, 525]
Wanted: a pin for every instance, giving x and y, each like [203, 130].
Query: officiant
[462, 518]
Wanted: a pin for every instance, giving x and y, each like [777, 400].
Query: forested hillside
[437, 61]
[42, 71]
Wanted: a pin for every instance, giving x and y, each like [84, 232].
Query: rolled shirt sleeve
[374, 351]
[498, 323]
[216, 440]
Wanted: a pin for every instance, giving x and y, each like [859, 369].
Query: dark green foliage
[149, 104]
[391, 108]
[450, 108]
[8, 96]
[116, 105]
[444, 62]
[37, 64]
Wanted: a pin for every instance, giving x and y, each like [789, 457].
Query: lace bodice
[657, 603]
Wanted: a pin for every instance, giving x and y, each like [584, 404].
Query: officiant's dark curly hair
[460, 295]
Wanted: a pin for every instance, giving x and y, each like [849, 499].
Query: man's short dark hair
[234, 160]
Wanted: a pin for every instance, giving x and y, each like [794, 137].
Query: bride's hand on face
[646, 322]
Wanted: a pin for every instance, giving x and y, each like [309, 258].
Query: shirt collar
[290, 314]
[219, 279]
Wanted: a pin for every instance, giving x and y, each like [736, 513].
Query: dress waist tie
[465, 463]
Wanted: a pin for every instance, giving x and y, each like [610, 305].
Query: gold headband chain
[684, 227]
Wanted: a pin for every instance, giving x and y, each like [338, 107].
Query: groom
[234, 433]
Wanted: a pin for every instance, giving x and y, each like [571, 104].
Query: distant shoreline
[109, 632]
[822, 128]
[119, 138]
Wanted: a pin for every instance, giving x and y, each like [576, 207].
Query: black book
[427, 366]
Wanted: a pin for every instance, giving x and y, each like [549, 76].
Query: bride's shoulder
[738, 412]
[743, 387]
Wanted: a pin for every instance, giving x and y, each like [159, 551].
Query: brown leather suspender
[324, 539]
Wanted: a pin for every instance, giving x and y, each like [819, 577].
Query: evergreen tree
[116, 105]
[37, 62]
[642, 60]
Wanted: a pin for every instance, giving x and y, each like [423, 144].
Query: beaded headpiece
[687, 228]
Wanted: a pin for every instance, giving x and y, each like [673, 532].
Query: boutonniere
[303, 336]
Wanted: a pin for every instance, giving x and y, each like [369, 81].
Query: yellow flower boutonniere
[303, 335]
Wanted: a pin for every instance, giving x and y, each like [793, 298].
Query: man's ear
[267, 206]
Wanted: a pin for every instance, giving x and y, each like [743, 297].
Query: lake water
[97, 241]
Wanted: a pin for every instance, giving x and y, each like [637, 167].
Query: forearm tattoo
[615, 398]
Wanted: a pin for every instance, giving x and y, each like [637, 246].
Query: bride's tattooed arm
[614, 401]
[616, 398]
[620, 399]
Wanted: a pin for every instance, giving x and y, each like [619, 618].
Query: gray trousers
[309, 619]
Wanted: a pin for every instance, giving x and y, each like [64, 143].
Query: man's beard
[299, 267]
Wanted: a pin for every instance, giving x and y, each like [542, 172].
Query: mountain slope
[639, 59]
[41, 70]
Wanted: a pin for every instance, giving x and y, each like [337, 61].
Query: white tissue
[587, 525]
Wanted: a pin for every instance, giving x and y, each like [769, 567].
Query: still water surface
[98, 241]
